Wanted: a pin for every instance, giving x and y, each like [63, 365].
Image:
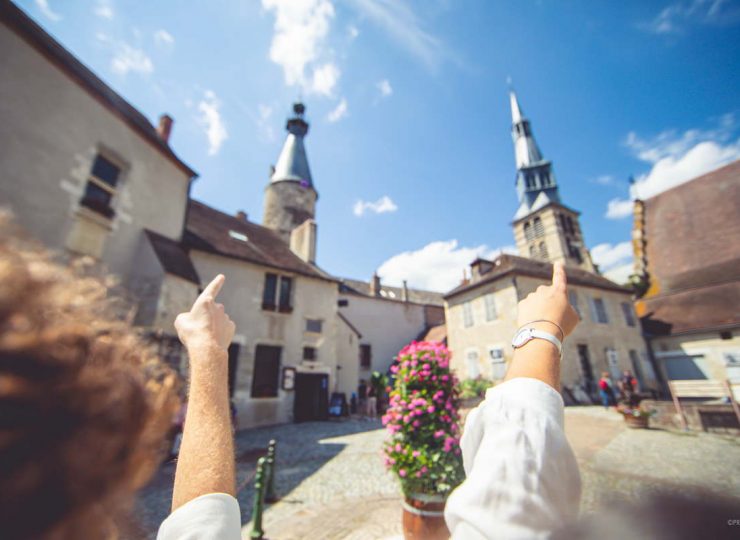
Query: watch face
[521, 338]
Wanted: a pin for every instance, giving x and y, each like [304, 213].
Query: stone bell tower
[290, 196]
[544, 228]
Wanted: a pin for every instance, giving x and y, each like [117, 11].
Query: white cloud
[301, 27]
[381, 206]
[45, 8]
[164, 38]
[353, 31]
[606, 180]
[104, 9]
[385, 88]
[402, 24]
[324, 79]
[438, 266]
[210, 118]
[339, 112]
[608, 256]
[264, 123]
[127, 58]
[674, 18]
[676, 158]
[619, 208]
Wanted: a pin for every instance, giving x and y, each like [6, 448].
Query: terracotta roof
[692, 248]
[416, 296]
[714, 307]
[434, 333]
[27, 29]
[173, 258]
[506, 264]
[210, 230]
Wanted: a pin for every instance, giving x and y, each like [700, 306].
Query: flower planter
[423, 518]
[636, 422]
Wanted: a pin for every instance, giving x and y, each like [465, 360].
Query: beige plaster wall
[242, 298]
[498, 333]
[51, 131]
[384, 324]
[348, 365]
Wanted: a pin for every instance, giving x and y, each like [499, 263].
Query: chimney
[165, 127]
[405, 292]
[375, 285]
[241, 215]
[303, 241]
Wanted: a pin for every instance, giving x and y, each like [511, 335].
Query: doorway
[311, 397]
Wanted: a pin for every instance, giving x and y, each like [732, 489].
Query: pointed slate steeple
[290, 196]
[292, 165]
[534, 173]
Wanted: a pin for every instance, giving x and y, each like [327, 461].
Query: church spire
[292, 165]
[535, 182]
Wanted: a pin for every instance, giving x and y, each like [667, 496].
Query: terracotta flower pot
[636, 422]
[423, 518]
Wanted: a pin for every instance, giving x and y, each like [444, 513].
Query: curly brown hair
[84, 401]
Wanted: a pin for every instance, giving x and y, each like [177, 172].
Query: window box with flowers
[423, 449]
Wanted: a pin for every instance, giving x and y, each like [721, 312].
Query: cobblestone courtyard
[332, 483]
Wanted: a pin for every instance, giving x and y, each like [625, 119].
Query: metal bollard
[270, 495]
[259, 495]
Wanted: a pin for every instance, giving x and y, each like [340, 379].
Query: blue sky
[410, 144]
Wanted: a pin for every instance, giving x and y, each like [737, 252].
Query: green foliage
[471, 388]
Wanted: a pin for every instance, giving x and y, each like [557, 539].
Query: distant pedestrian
[606, 390]
[372, 402]
[629, 388]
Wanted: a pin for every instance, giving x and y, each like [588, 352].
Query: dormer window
[101, 186]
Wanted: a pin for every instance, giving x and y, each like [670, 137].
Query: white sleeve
[522, 477]
[215, 515]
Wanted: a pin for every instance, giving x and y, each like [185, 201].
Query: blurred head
[627, 373]
[605, 374]
[84, 403]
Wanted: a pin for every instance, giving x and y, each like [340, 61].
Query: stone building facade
[690, 306]
[86, 173]
[481, 313]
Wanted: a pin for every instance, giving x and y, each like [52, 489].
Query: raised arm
[522, 477]
[206, 461]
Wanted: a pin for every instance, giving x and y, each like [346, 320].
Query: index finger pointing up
[212, 289]
[559, 281]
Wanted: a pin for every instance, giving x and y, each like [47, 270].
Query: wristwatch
[525, 335]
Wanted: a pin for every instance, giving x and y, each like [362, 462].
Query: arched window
[539, 230]
[571, 227]
[543, 252]
[532, 251]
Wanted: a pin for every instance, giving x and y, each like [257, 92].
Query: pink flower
[402, 473]
[418, 474]
[415, 453]
[398, 447]
[416, 423]
[430, 409]
[439, 433]
[424, 469]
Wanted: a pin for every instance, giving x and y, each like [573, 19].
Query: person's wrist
[539, 348]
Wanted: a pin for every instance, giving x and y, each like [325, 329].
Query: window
[544, 255]
[532, 252]
[314, 325]
[629, 316]
[309, 353]
[573, 299]
[365, 355]
[528, 232]
[571, 227]
[539, 229]
[467, 315]
[101, 186]
[498, 362]
[490, 307]
[598, 311]
[266, 371]
[273, 283]
[286, 285]
[612, 362]
[472, 362]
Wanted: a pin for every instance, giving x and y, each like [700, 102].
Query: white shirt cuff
[215, 515]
